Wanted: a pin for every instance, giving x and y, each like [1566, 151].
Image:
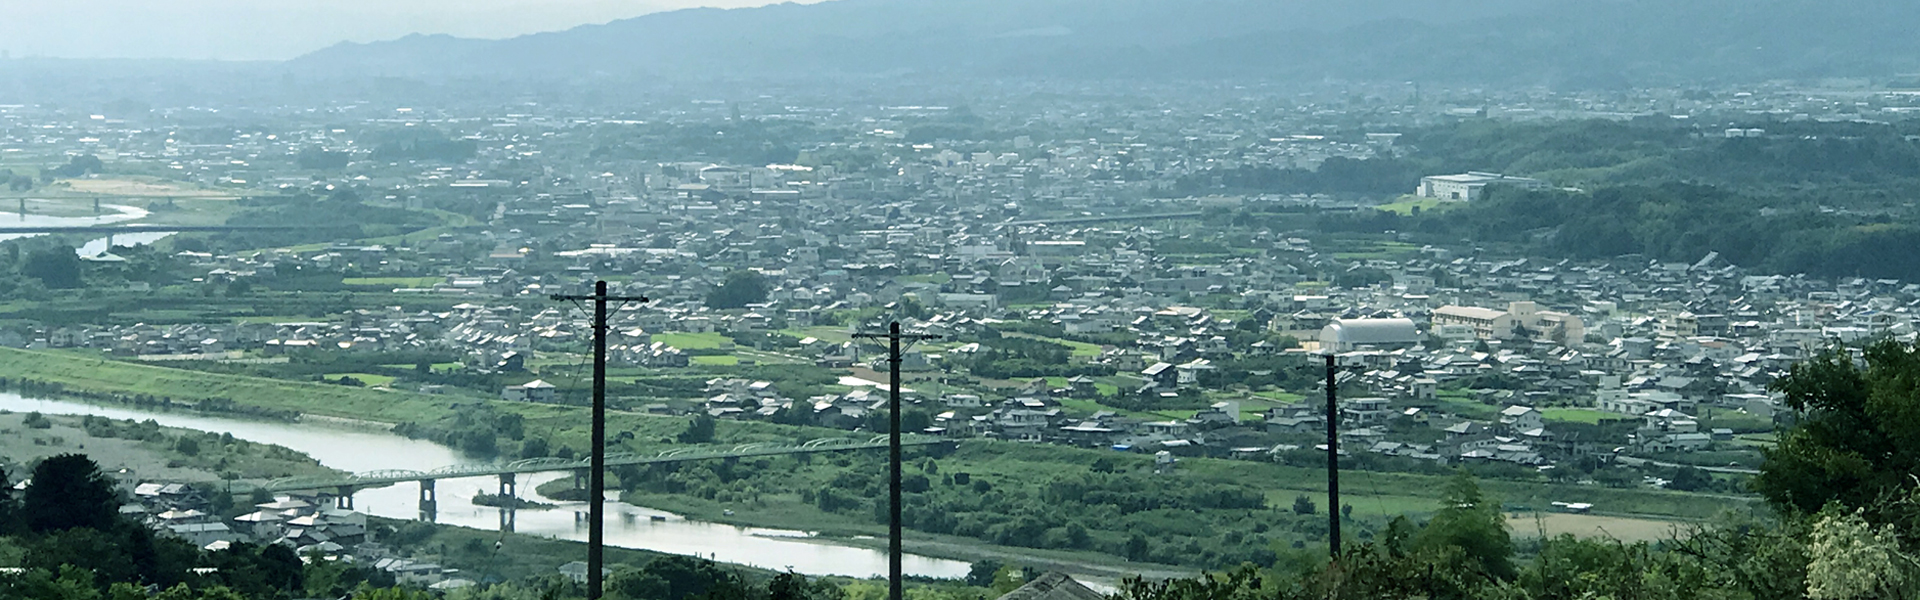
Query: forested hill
[1824, 199]
[1566, 43]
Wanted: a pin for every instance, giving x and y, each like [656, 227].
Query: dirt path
[1626, 529]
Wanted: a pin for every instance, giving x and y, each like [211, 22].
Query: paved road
[1635, 462]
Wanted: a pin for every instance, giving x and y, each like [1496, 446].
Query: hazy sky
[280, 29]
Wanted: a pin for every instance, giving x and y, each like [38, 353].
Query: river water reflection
[627, 525]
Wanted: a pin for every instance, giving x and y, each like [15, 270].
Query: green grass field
[694, 341]
[1404, 205]
[367, 378]
[1080, 349]
[826, 334]
[1578, 415]
[393, 282]
[722, 360]
[1460, 403]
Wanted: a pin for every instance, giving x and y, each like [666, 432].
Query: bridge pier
[429, 501]
[580, 479]
[508, 487]
[506, 519]
[344, 500]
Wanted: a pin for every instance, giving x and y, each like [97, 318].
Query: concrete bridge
[345, 485]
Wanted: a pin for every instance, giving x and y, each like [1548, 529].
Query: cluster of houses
[312, 525]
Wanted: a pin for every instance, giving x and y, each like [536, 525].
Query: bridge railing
[549, 464]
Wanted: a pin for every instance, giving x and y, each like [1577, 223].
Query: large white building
[1519, 318]
[1471, 185]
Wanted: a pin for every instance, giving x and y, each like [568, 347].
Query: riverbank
[138, 452]
[1092, 567]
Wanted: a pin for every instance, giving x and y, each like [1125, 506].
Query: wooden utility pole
[597, 473]
[1333, 458]
[893, 337]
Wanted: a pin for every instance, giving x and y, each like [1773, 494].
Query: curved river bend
[628, 526]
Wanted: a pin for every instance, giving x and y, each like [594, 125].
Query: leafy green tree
[637, 584]
[78, 166]
[699, 431]
[98, 552]
[742, 287]
[9, 504]
[65, 583]
[56, 267]
[533, 447]
[1472, 523]
[1302, 505]
[1688, 479]
[1858, 436]
[1852, 559]
[69, 491]
[981, 573]
[688, 577]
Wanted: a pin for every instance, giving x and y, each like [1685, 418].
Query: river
[628, 526]
[95, 246]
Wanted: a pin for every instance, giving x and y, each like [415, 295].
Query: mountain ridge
[1600, 42]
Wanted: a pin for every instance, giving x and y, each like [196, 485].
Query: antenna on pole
[893, 337]
[597, 475]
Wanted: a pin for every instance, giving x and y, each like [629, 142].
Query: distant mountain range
[1566, 43]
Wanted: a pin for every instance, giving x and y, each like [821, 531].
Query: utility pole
[1333, 458]
[893, 337]
[597, 473]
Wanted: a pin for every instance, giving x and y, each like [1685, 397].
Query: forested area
[1824, 199]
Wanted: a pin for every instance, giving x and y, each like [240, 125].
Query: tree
[79, 165]
[1856, 560]
[700, 431]
[1473, 524]
[742, 287]
[1303, 505]
[982, 572]
[1007, 579]
[636, 584]
[57, 267]
[1688, 479]
[187, 445]
[9, 505]
[69, 491]
[1858, 435]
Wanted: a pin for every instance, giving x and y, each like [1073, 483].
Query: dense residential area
[1176, 340]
